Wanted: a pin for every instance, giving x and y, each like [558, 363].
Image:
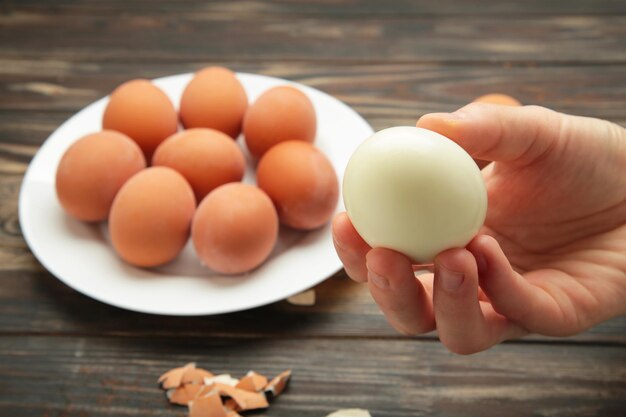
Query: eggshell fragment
[245, 400]
[207, 158]
[220, 395]
[209, 405]
[173, 378]
[223, 379]
[92, 171]
[206, 389]
[235, 228]
[280, 114]
[497, 98]
[301, 182]
[252, 382]
[142, 111]
[215, 99]
[195, 376]
[183, 394]
[231, 405]
[414, 191]
[278, 384]
[151, 217]
[306, 298]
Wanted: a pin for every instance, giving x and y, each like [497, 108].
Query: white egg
[414, 191]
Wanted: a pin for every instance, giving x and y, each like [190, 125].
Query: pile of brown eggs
[157, 185]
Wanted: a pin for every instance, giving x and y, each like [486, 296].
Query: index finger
[516, 135]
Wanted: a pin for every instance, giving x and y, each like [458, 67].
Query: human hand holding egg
[550, 257]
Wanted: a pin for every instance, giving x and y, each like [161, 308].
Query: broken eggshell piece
[278, 384]
[223, 379]
[209, 405]
[246, 400]
[196, 376]
[209, 395]
[253, 382]
[173, 378]
[183, 394]
[306, 298]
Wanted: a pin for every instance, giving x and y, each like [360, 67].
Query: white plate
[80, 255]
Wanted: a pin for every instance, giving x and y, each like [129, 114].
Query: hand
[551, 257]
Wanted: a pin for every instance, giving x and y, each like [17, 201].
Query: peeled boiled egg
[142, 111]
[235, 228]
[497, 98]
[92, 171]
[207, 158]
[414, 191]
[214, 98]
[301, 182]
[280, 114]
[151, 217]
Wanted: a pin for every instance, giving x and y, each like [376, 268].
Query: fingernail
[380, 282]
[449, 280]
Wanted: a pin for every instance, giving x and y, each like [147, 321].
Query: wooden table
[63, 354]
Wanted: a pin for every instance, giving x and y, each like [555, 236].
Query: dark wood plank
[356, 8]
[386, 95]
[75, 376]
[189, 35]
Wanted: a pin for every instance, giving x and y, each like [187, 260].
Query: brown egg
[142, 111]
[151, 217]
[280, 114]
[235, 228]
[92, 171]
[207, 158]
[214, 98]
[501, 99]
[301, 182]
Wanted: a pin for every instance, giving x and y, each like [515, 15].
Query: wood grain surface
[93, 376]
[383, 94]
[175, 36]
[63, 354]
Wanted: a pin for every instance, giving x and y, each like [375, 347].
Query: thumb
[516, 135]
